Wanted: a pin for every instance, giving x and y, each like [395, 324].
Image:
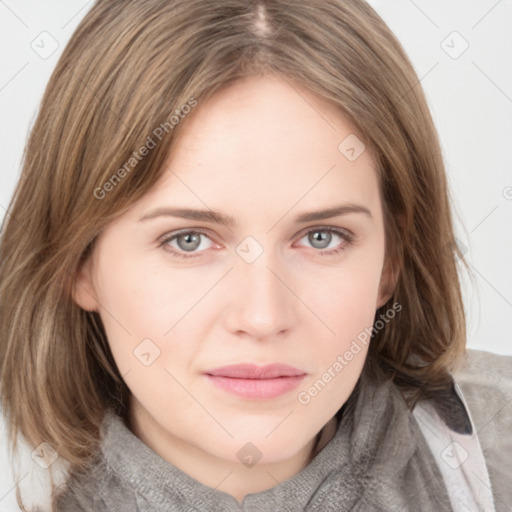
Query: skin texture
[262, 152]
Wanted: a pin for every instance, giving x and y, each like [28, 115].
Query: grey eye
[319, 237]
[188, 241]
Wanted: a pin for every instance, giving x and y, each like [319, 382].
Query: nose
[261, 304]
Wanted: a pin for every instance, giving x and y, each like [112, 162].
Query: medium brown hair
[127, 68]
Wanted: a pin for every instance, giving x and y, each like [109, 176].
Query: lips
[251, 371]
[256, 382]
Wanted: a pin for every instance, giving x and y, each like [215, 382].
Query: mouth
[256, 382]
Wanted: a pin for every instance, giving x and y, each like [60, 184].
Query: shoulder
[480, 368]
[485, 380]
[486, 383]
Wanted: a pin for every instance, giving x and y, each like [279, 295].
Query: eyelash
[163, 243]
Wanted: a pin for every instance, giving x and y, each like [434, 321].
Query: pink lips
[251, 381]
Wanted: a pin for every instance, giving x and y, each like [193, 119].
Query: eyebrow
[228, 221]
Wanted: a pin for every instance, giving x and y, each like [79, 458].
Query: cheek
[132, 303]
[142, 296]
[147, 311]
[346, 300]
[339, 355]
[346, 304]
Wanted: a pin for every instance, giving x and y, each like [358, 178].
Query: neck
[231, 477]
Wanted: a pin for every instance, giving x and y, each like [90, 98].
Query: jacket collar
[452, 409]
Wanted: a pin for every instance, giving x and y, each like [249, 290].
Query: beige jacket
[476, 461]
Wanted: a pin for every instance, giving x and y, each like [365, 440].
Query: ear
[83, 292]
[387, 283]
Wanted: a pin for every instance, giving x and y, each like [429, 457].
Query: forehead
[264, 142]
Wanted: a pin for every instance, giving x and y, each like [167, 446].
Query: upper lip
[252, 371]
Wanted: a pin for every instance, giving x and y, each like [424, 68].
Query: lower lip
[257, 388]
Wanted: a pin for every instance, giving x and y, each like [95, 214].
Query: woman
[235, 286]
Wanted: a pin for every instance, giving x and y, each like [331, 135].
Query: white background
[470, 97]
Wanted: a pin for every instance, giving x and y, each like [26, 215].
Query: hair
[126, 70]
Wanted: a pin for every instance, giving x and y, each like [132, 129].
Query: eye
[185, 242]
[322, 237]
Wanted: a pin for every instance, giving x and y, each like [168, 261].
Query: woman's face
[269, 288]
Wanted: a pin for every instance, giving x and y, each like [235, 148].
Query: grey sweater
[131, 477]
